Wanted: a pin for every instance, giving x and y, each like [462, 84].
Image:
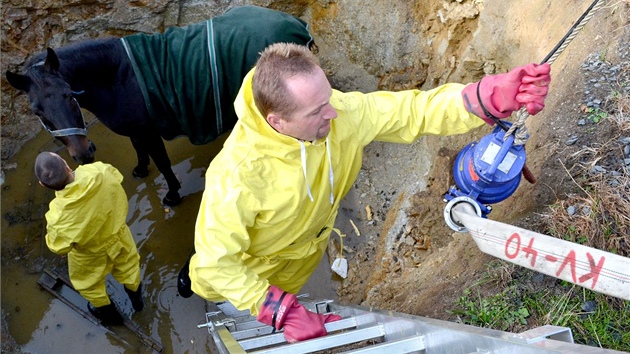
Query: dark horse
[154, 86]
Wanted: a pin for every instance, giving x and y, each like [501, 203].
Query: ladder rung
[246, 329]
[261, 342]
[406, 345]
[345, 323]
[263, 330]
[330, 341]
[244, 326]
[252, 332]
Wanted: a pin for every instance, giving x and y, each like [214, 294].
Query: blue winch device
[485, 172]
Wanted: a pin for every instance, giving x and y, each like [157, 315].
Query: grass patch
[595, 319]
[601, 219]
[504, 311]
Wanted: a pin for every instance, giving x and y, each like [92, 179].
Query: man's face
[311, 120]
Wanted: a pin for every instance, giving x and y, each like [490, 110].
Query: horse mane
[77, 52]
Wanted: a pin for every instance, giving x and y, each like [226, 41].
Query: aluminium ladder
[367, 330]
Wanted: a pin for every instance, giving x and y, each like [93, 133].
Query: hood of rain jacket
[256, 201]
[87, 214]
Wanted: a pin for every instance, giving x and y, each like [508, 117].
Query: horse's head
[53, 101]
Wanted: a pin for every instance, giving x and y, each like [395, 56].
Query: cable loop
[518, 128]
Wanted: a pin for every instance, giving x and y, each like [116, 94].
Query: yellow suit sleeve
[404, 116]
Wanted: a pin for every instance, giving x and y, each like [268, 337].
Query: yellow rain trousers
[270, 200]
[86, 221]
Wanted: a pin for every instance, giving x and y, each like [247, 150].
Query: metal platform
[364, 330]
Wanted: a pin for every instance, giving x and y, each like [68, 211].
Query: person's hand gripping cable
[497, 96]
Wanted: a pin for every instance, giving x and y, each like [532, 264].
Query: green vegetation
[596, 115]
[595, 319]
[498, 311]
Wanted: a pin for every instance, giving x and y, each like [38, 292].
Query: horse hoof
[140, 173]
[170, 201]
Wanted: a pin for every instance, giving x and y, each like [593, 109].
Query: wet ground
[43, 324]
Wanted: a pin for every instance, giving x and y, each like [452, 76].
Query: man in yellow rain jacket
[87, 221]
[272, 194]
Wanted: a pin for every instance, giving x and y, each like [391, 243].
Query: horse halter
[68, 131]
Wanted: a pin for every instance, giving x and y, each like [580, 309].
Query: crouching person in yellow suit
[87, 221]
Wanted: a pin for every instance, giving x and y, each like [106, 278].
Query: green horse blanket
[189, 76]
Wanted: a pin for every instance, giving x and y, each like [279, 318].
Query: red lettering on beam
[516, 237]
[551, 258]
[595, 269]
[529, 250]
[570, 258]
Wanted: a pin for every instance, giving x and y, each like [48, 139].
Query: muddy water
[164, 236]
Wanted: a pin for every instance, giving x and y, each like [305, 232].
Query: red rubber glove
[500, 95]
[281, 309]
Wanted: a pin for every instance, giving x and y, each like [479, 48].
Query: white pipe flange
[448, 217]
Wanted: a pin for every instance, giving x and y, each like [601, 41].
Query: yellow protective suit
[87, 221]
[262, 222]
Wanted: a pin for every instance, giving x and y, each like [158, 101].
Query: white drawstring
[303, 154]
[331, 175]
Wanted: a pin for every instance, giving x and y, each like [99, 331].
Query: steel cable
[521, 135]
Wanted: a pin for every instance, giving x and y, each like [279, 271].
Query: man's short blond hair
[278, 62]
[50, 169]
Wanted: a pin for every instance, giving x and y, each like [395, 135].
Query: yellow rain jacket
[87, 221]
[270, 200]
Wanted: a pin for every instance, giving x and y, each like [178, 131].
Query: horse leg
[157, 151]
[142, 169]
